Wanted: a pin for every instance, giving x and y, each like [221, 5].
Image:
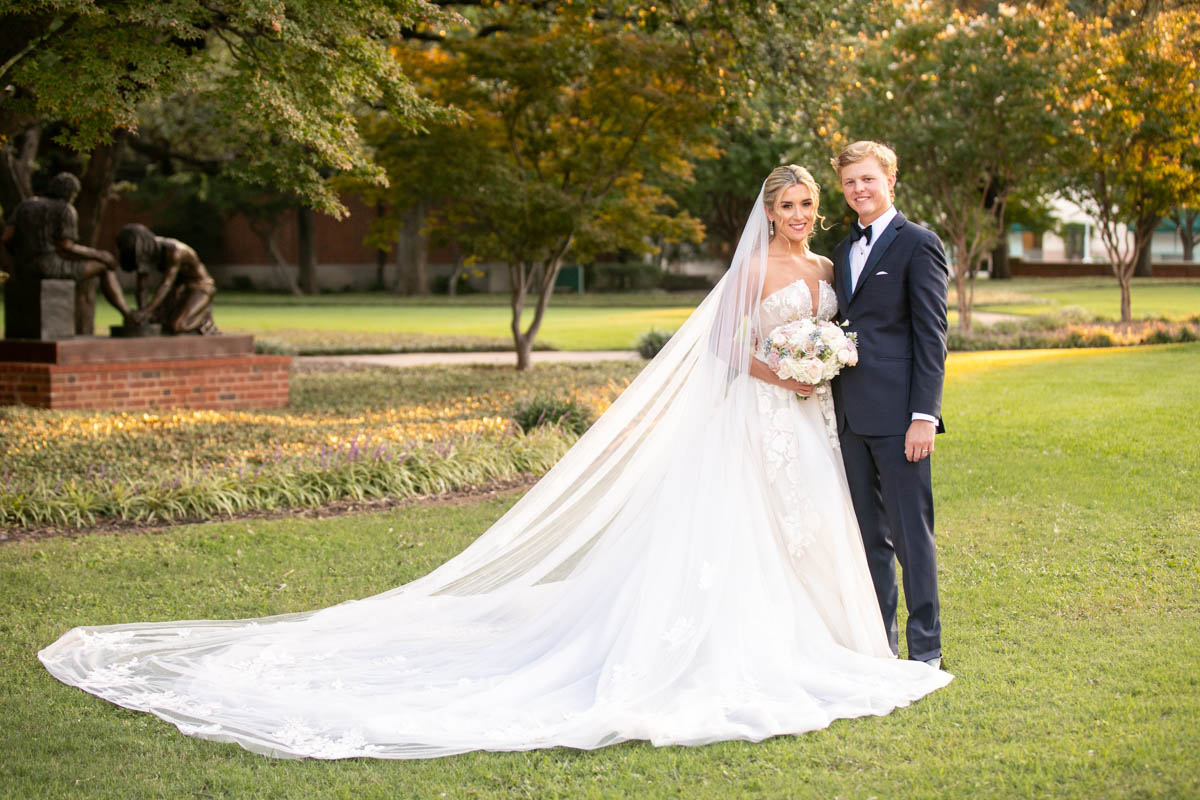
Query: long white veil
[636, 591]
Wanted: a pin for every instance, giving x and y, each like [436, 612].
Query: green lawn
[1068, 516]
[374, 322]
[1100, 297]
[566, 326]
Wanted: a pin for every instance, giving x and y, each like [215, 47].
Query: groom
[890, 275]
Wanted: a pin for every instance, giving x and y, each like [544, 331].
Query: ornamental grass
[351, 435]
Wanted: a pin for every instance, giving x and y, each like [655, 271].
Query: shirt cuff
[916, 415]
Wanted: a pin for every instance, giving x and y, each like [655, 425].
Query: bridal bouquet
[809, 350]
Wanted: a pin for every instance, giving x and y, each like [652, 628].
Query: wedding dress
[690, 572]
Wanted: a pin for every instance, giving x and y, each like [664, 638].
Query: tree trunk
[16, 168]
[412, 254]
[960, 287]
[1000, 270]
[97, 181]
[306, 240]
[456, 273]
[381, 255]
[1126, 302]
[266, 231]
[1145, 228]
[1186, 222]
[522, 343]
[1143, 269]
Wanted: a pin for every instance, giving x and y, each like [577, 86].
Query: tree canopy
[282, 81]
[969, 103]
[1134, 152]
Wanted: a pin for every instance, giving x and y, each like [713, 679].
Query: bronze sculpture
[41, 235]
[182, 302]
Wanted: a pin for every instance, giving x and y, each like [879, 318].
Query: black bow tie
[860, 231]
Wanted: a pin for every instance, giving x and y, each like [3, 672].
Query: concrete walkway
[509, 358]
[504, 358]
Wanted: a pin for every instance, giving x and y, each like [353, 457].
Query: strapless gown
[728, 598]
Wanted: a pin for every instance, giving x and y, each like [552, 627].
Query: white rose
[788, 368]
[811, 371]
[843, 356]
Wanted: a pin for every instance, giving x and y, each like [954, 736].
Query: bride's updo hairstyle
[780, 179]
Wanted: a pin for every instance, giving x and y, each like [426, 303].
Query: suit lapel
[841, 274]
[877, 252]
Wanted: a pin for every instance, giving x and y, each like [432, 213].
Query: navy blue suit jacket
[898, 310]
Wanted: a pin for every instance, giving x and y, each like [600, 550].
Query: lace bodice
[795, 301]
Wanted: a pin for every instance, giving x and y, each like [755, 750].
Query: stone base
[39, 309]
[217, 372]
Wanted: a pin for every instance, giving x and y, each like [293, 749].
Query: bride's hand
[760, 370]
[802, 389]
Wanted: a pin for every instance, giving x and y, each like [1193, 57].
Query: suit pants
[893, 500]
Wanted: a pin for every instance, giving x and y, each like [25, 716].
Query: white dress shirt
[860, 251]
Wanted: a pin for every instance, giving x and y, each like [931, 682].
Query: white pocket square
[881, 273]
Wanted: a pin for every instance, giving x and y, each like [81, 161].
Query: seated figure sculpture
[42, 234]
[182, 303]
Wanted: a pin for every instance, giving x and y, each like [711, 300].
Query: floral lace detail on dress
[794, 302]
[780, 412]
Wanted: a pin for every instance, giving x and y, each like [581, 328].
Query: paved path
[992, 317]
[506, 358]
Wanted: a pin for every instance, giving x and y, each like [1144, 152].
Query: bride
[690, 572]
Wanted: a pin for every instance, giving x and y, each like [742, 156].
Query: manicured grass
[1153, 298]
[1067, 509]
[433, 323]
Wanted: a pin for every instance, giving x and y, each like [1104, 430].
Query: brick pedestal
[160, 372]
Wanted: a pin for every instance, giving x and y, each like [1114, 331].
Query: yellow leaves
[286, 434]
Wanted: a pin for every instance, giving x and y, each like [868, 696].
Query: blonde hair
[784, 177]
[861, 151]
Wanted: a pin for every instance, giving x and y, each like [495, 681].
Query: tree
[968, 103]
[1135, 126]
[1184, 219]
[283, 80]
[574, 125]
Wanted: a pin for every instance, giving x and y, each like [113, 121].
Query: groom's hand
[918, 442]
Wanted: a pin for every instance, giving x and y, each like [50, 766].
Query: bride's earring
[771, 228]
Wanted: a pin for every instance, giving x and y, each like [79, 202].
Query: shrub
[651, 342]
[674, 282]
[620, 276]
[1099, 338]
[565, 412]
[1158, 336]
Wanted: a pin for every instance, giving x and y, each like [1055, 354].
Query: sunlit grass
[1151, 298]
[1067, 499]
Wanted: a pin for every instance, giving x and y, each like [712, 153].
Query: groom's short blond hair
[861, 151]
